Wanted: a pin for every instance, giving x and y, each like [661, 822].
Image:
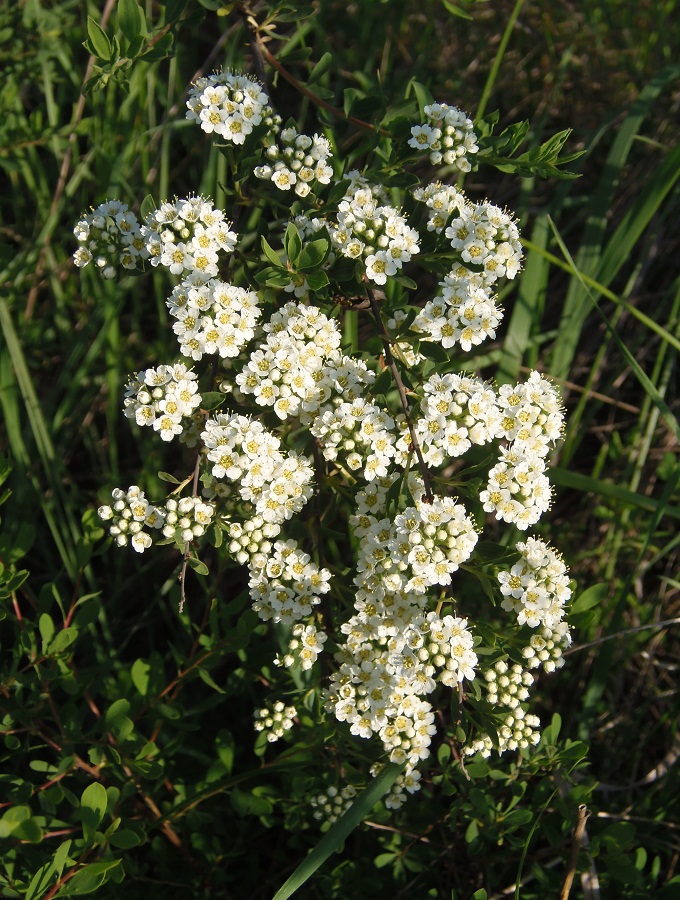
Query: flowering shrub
[293, 429]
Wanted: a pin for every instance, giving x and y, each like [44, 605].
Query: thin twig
[611, 637]
[579, 840]
[304, 90]
[389, 360]
[185, 558]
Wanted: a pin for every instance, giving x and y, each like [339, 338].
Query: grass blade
[333, 839]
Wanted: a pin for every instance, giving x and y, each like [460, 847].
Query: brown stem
[304, 90]
[392, 366]
[185, 558]
[578, 841]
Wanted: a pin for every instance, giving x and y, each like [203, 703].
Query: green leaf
[317, 280]
[93, 804]
[211, 400]
[50, 872]
[208, 679]
[594, 596]
[323, 65]
[140, 675]
[174, 9]
[161, 49]
[100, 45]
[125, 839]
[166, 476]
[148, 206]
[46, 628]
[199, 567]
[63, 640]
[292, 243]
[334, 838]
[423, 96]
[90, 878]
[271, 254]
[462, 14]
[313, 255]
[131, 19]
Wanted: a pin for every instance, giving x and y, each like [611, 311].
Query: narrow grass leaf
[333, 839]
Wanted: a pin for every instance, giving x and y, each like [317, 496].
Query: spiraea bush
[342, 606]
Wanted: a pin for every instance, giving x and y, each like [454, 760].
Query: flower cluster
[295, 415]
[187, 519]
[301, 161]
[463, 314]
[276, 484]
[331, 804]
[537, 589]
[275, 720]
[448, 134]
[441, 200]
[288, 588]
[287, 371]
[369, 229]
[518, 490]
[486, 239]
[186, 236]
[303, 648]
[215, 317]
[407, 782]
[111, 236]
[230, 105]
[130, 513]
[162, 398]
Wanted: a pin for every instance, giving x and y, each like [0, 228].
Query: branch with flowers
[408, 458]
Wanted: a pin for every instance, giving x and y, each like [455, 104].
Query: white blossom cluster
[300, 162]
[518, 490]
[448, 135]
[230, 105]
[328, 806]
[277, 484]
[130, 513]
[163, 398]
[369, 229]
[487, 238]
[275, 719]
[537, 589]
[395, 650]
[507, 688]
[457, 411]
[111, 236]
[407, 782]
[441, 200]
[213, 318]
[463, 314]
[303, 648]
[363, 433]
[187, 236]
[288, 587]
[187, 518]
[287, 371]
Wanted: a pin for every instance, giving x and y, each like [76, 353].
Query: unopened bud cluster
[275, 720]
[299, 163]
[110, 236]
[448, 134]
